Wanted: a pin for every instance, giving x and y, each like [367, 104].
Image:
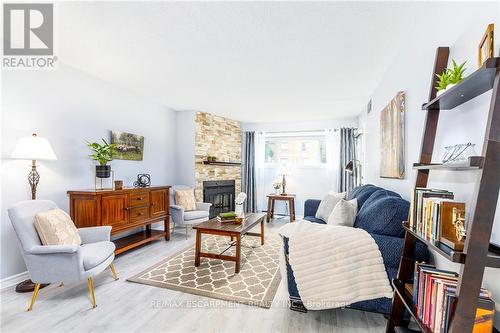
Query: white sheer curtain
[260, 146]
[332, 161]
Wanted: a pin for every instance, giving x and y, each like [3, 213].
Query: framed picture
[392, 138]
[129, 146]
[485, 49]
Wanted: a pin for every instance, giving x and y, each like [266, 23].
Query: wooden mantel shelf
[221, 163]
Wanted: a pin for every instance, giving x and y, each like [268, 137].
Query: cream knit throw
[335, 266]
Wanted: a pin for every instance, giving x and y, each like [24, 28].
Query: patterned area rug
[256, 284]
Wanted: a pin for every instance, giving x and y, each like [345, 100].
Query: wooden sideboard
[123, 210]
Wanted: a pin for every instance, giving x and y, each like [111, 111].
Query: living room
[250, 166]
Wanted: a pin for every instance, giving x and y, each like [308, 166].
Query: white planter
[451, 85]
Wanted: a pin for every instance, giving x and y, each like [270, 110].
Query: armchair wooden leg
[186, 232]
[91, 289]
[33, 296]
[113, 271]
[62, 284]
[173, 227]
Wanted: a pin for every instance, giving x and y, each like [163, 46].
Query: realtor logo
[28, 29]
[28, 36]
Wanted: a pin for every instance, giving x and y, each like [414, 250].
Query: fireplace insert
[220, 193]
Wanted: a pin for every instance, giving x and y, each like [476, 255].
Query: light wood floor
[129, 307]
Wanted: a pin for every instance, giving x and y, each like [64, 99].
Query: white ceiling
[251, 61]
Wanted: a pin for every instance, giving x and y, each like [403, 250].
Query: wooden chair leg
[186, 232]
[91, 289]
[34, 296]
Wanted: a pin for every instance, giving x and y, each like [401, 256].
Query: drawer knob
[141, 214]
[140, 198]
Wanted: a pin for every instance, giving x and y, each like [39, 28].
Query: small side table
[271, 198]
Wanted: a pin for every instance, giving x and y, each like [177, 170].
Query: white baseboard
[13, 280]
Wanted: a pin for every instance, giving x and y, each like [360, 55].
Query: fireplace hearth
[221, 194]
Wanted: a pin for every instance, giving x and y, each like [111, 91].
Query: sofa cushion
[364, 193]
[195, 214]
[382, 214]
[355, 191]
[95, 253]
[314, 219]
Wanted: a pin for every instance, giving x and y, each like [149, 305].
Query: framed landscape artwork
[392, 142]
[129, 146]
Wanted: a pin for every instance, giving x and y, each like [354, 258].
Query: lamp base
[28, 286]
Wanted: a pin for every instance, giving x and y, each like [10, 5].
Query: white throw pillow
[55, 227]
[344, 213]
[327, 205]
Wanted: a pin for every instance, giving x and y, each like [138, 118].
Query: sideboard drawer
[139, 199]
[138, 214]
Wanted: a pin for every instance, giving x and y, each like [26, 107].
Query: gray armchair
[181, 217]
[60, 263]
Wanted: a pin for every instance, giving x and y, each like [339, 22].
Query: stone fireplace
[220, 137]
[221, 194]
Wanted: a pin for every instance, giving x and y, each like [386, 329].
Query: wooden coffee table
[233, 230]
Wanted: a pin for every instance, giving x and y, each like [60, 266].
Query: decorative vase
[103, 171]
[277, 191]
[238, 210]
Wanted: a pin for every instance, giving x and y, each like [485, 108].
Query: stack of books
[425, 209]
[434, 296]
[229, 217]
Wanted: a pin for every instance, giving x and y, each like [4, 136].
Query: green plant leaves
[452, 75]
[102, 153]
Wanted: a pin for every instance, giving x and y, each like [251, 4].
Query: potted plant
[102, 153]
[450, 77]
[277, 186]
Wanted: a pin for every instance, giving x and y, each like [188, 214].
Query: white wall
[68, 107]
[411, 72]
[185, 147]
[307, 182]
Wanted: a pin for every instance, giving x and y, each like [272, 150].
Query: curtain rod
[304, 131]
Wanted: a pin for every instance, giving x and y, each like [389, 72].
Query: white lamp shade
[284, 170]
[34, 148]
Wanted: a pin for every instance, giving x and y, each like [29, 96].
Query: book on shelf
[434, 297]
[430, 214]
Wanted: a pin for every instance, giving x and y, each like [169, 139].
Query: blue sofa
[380, 213]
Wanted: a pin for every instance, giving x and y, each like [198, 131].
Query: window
[299, 149]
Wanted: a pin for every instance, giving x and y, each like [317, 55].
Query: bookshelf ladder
[475, 256]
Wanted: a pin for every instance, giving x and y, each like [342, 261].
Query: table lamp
[283, 171]
[33, 148]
